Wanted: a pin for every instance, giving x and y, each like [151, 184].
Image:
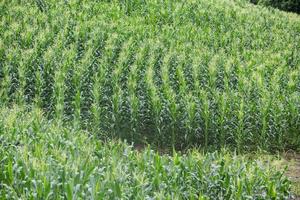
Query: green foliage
[286, 5]
[210, 73]
[44, 160]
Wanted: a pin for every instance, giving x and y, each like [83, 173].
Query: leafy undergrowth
[40, 159]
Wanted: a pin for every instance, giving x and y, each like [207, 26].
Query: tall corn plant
[106, 63]
[133, 99]
[199, 79]
[38, 88]
[5, 83]
[20, 96]
[205, 115]
[222, 121]
[97, 88]
[26, 77]
[169, 95]
[77, 81]
[264, 106]
[277, 111]
[293, 105]
[60, 59]
[117, 92]
[187, 102]
[154, 95]
[59, 87]
[52, 61]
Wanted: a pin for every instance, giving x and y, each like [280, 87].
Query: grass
[43, 160]
[296, 188]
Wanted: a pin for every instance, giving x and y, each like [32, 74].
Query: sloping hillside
[78, 77]
[177, 73]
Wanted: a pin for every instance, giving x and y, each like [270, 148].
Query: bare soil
[293, 172]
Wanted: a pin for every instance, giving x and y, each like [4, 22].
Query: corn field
[209, 73]
[43, 160]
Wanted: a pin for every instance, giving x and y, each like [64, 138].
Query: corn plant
[222, 119]
[97, 96]
[132, 89]
[205, 115]
[154, 95]
[169, 95]
[5, 83]
[117, 96]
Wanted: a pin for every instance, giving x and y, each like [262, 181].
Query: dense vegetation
[77, 76]
[286, 5]
[213, 73]
[42, 160]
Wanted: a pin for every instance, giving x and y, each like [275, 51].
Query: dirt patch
[293, 172]
[294, 167]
